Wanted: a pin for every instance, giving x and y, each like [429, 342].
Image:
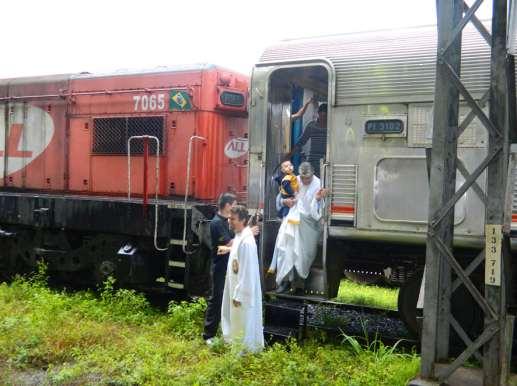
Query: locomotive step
[176, 285]
[177, 242]
[170, 283]
[176, 263]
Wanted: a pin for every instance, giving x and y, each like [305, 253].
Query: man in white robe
[242, 298]
[296, 245]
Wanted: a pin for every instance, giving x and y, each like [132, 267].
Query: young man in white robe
[242, 298]
[296, 245]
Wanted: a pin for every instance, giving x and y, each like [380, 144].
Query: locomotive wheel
[463, 307]
[363, 278]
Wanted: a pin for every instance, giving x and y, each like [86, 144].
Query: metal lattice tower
[441, 265]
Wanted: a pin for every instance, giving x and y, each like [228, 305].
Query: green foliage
[370, 295]
[117, 338]
[377, 356]
[124, 304]
[40, 277]
[186, 318]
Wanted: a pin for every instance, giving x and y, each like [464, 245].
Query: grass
[353, 293]
[117, 338]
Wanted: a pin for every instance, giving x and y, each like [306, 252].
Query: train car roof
[387, 65]
[34, 79]
[155, 70]
[120, 72]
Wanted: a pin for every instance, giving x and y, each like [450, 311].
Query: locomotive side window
[232, 98]
[110, 135]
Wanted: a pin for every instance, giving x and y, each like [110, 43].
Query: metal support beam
[435, 338]
[495, 352]
[440, 261]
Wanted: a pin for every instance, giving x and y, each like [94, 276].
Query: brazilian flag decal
[179, 100]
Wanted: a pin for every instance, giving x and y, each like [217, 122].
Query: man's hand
[300, 112]
[322, 193]
[289, 202]
[236, 303]
[223, 249]
[255, 229]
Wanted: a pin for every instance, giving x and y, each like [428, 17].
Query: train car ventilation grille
[514, 197]
[344, 191]
[110, 135]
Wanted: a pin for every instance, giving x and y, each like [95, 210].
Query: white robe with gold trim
[296, 245]
[243, 324]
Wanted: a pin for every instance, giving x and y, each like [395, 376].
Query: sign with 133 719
[493, 241]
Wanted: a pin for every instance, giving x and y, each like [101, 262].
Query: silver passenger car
[379, 87]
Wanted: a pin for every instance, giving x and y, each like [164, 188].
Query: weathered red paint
[13, 142]
[68, 164]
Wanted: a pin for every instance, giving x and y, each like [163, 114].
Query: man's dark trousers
[213, 311]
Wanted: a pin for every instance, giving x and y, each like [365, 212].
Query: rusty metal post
[435, 336]
[495, 275]
[497, 335]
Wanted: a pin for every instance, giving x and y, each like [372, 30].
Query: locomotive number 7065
[149, 102]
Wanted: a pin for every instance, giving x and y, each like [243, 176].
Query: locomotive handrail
[326, 210]
[187, 185]
[157, 168]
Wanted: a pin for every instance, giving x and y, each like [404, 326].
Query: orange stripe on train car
[342, 209]
[514, 217]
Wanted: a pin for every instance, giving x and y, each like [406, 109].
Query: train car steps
[284, 319]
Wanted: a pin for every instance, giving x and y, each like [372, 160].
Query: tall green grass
[117, 338]
[371, 295]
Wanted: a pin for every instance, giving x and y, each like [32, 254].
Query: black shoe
[284, 287]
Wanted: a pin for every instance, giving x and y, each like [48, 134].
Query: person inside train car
[221, 235]
[296, 244]
[242, 299]
[316, 131]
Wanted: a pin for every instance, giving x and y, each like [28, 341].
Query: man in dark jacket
[221, 235]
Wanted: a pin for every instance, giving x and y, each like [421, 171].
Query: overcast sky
[49, 37]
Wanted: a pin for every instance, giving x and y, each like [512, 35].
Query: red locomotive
[73, 195]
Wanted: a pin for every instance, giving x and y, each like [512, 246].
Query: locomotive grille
[344, 191]
[110, 135]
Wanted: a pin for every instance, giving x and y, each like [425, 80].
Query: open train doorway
[297, 133]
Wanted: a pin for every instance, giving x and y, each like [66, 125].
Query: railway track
[296, 316]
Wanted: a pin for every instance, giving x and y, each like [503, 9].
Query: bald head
[305, 169]
[306, 172]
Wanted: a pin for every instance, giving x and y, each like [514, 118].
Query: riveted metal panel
[420, 117]
[387, 66]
